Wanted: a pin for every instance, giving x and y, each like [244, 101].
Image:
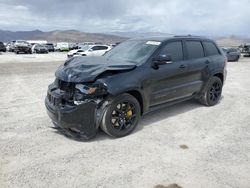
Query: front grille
[68, 88]
[53, 100]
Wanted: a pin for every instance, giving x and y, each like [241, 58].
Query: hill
[112, 37]
[59, 36]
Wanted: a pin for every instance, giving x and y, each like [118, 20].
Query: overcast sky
[203, 17]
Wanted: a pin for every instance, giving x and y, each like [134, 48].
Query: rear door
[98, 50]
[216, 59]
[102, 50]
[197, 64]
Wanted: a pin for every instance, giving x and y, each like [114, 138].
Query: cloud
[20, 7]
[204, 17]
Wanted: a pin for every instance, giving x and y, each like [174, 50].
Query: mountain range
[59, 36]
[111, 37]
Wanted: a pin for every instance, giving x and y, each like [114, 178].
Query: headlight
[85, 89]
[94, 89]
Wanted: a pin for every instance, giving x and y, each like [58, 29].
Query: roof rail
[184, 35]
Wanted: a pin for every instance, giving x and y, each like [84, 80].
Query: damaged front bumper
[79, 120]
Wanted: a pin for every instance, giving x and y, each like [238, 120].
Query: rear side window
[194, 49]
[103, 48]
[100, 48]
[174, 49]
[211, 49]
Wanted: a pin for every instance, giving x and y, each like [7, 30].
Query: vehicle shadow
[148, 119]
[167, 112]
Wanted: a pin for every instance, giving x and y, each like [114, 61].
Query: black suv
[139, 75]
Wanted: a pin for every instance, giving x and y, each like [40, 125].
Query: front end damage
[77, 99]
[76, 108]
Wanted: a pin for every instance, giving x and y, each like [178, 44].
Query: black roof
[165, 38]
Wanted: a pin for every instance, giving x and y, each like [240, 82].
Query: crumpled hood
[86, 69]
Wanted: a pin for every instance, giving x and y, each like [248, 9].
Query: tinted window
[103, 47]
[194, 49]
[211, 49]
[232, 50]
[99, 48]
[174, 49]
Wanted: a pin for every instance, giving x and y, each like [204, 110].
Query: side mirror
[90, 50]
[161, 60]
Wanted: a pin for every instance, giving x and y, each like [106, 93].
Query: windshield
[135, 51]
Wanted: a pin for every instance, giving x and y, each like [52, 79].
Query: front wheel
[212, 92]
[122, 116]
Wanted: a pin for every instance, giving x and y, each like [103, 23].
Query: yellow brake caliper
[129, 113]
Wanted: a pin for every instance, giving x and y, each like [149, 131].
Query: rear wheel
[212, 93]
[122, 116]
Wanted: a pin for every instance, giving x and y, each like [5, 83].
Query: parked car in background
[50, 47]
[94, 50]
[21, 46]
[62, 46]
[73, 46]
[81, 48]
[245, 49]
[11, 46]
[233, 54]
[139, 75]
[39, 49]
[2, 47]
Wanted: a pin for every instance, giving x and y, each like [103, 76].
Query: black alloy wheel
[212, 92]
[122, 116]
[215, 92]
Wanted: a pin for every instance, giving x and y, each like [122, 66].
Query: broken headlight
[84, 91]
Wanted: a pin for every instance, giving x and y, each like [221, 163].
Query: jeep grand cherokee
[139, 75]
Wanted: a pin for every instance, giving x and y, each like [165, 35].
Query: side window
[211, 49]
[174, 49]
[99, 48]
[194, 49]
[95, 48]
[103, 47]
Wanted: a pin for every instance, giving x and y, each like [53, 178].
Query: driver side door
[169, 81]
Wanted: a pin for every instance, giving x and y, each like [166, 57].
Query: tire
[212, 92]
[122, 116]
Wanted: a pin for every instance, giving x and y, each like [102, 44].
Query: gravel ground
[186, 145]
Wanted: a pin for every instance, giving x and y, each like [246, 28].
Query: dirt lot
[187, 144]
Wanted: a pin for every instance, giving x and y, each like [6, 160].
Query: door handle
[182, 66]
